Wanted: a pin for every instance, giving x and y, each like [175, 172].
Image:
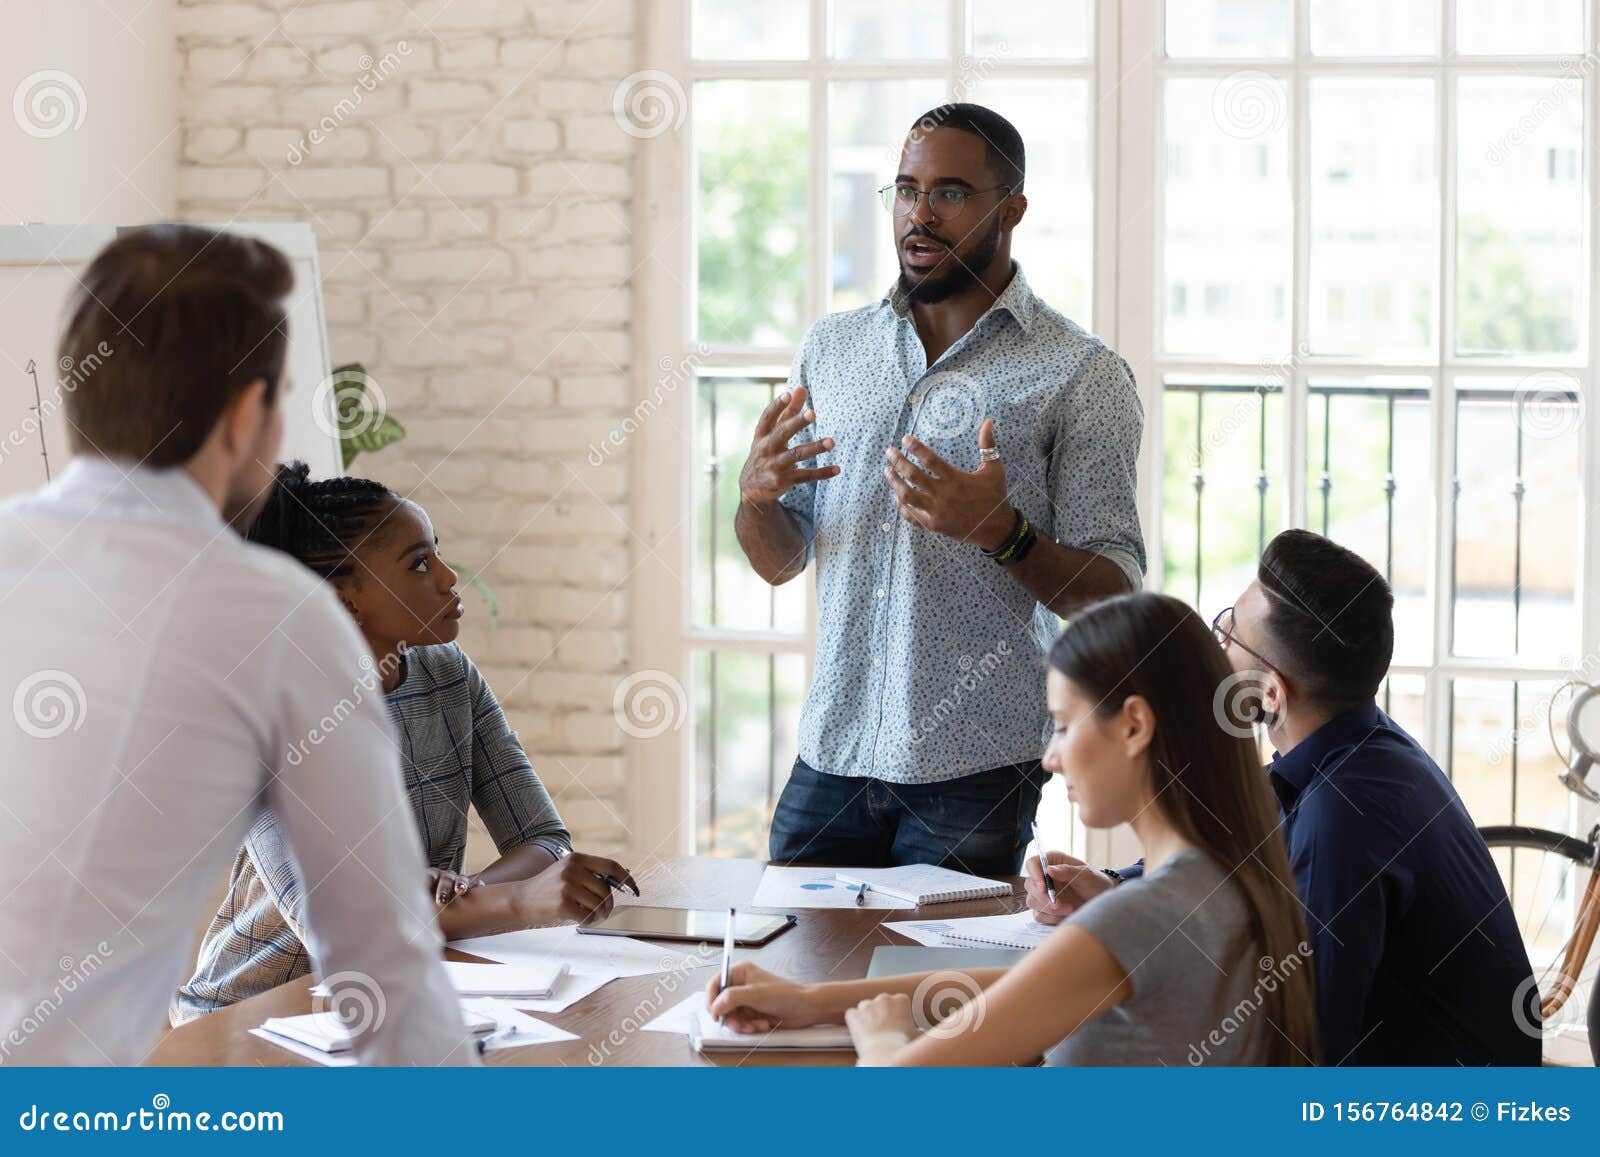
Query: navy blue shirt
[1418, 957]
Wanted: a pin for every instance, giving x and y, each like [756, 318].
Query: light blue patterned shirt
[930, 657]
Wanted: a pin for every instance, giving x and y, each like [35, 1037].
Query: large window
[1344, 243]
[1372, 266]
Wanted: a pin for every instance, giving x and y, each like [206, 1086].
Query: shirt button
[880, 592]
[888, 526]
[877, 662]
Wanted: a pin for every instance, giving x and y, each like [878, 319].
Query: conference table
[825, 944]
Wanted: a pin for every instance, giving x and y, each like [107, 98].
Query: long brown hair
[1209, 785]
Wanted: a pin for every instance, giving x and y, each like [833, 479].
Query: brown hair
[172, 321]
[1209, 785]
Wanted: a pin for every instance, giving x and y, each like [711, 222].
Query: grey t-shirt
[1181, 933]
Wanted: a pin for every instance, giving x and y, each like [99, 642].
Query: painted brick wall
[470, 190]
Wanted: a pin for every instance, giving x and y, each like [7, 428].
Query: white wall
[89, 132]
[472, 206]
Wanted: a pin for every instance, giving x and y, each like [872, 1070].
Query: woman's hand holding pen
[757, 1001]
[1076, 883]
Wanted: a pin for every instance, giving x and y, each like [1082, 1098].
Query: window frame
[1127, 294]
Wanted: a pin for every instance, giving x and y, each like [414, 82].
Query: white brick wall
[472, 208]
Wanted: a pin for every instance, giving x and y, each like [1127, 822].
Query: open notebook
[707, 1036]
[326, 1032]
[924, 883]
[1015, 930]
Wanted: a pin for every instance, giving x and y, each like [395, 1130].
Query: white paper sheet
[528, 1030]
[613, 956]
[570, 989]
[800, 887]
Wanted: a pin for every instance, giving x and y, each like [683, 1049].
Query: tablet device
[703, 926]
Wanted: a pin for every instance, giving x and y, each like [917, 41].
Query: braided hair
[319, 522]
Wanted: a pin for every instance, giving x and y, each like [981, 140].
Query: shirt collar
[1016, 299]
[1297, 765]
[137, 491]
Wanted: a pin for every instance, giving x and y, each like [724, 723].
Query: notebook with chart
[1014, 930]
[924, 883]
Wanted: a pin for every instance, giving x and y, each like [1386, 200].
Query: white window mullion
[1589, 559]
[1105, 145]
[1295, 462]
[819, 262]
[1436, 690]
[1138, 216]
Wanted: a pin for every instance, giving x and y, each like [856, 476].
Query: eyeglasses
[1222, 628]
[946, 201]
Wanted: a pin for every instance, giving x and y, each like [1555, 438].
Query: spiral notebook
[924, 883]
[1014, 930]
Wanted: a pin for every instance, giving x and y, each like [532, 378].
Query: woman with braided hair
[380, 553]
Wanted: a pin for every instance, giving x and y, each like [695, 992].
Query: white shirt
[166, 681]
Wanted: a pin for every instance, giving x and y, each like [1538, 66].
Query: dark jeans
[979, 823]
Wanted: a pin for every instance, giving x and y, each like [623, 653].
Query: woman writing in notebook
[381, 555]
[1203, 960]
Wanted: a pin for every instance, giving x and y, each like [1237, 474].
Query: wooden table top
[826, 944]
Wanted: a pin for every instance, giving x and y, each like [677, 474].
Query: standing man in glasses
[959, 459]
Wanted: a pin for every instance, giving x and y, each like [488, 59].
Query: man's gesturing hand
[773, 467]
[969, 506]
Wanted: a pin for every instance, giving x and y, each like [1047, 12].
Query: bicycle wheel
[1555, 893]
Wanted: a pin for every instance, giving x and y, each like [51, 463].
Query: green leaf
[360, 437]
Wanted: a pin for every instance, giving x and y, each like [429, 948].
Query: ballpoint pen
[617, 884]
[861, 894]
[506, 1033]
[1044, 866]
[727, 954]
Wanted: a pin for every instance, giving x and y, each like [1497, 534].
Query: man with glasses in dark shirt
[1417, 953]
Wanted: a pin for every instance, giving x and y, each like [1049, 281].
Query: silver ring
[988, 453]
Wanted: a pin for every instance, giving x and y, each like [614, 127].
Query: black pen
[861, 895]
[618, 884]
